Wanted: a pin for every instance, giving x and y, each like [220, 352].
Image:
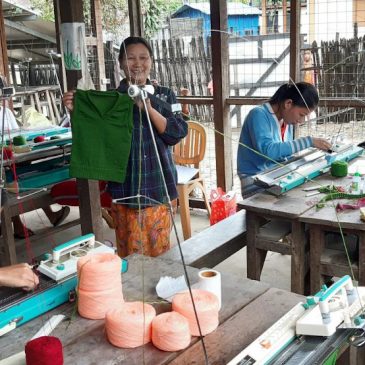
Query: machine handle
[57, 251]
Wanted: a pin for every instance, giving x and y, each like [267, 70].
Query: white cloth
[10, 121]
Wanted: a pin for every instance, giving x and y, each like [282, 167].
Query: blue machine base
[38, 304]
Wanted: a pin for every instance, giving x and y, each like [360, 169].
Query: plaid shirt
[143, 172]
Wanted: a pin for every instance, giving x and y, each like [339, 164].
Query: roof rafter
[26, 30]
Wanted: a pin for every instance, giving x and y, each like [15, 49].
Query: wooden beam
[90, 209]
[98, 31]
[71, 12]
[220, 68]
[285, 13]
[257, 100]
[4, 63]
[295, 40]
[135, 18]
[61, 64]
[36, 43]
[312, 21]
[26, 30]
[263, 29]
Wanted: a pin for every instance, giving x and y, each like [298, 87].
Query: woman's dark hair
[133, 40]
[303, 94]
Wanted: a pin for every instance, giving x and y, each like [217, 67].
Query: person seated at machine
[18, 276]
[267, 134]
[65, 193]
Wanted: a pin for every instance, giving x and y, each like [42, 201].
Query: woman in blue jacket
[269, 130]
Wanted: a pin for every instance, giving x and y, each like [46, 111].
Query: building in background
[242, 19]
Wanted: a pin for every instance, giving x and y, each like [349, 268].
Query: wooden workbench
[90, 210]
[288, 207]
[324, 220]
[248, 309]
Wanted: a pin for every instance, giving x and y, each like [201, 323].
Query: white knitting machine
[57, 283]
[309, 164]
[312, 331]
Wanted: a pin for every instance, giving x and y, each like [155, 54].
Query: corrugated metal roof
[232, 9]
[27, 35]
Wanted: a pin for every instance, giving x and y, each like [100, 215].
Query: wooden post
[90, 210]
[285, 13]
[295, 40]
[312, 21]
[71, 12]
[61, 66]
[4, 66]
[263, 29]
[4, 62]
[98, 31]
[220, 67]
[135, 18]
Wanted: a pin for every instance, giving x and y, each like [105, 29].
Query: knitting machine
[38, 164]
[307, 165]
[312, 331]
[57, 283]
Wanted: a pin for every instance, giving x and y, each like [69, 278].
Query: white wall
[330, 17]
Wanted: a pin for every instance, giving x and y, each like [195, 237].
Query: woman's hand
[68, 100]
[139, 102]
[321, 144]
[18, 276]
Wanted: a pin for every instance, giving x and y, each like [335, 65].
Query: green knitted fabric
[102, 124]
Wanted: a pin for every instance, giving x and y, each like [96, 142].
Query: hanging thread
[206, 305]
[99, 285]
[45, 350]
[131, 325]
[170, 332]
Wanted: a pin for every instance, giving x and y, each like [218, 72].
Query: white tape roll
[210, 280]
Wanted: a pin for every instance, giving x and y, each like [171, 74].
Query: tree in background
[156, 12]
[115, 14]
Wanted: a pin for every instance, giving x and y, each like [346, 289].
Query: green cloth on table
[102, 124]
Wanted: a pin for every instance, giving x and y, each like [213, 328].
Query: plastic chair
[188, 154]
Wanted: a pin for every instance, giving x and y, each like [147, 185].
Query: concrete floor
[276, 270]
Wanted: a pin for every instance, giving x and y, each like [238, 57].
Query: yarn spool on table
[170, 332]
[20, 144]
[39, 139]
[100, 284]
[19, 140]
[130, 326]
[339, 168]
[206, 305]
[45, 350]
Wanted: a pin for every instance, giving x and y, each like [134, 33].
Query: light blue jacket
[261, 132]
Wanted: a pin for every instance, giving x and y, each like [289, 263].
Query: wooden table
[89, 195]
[333, 262]
[288, 207]
[248, 309]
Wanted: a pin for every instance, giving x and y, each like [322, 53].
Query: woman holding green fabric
[142, 217]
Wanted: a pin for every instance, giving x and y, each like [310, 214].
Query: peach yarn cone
[206, 305]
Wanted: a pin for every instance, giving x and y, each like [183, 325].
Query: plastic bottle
[355, 185]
